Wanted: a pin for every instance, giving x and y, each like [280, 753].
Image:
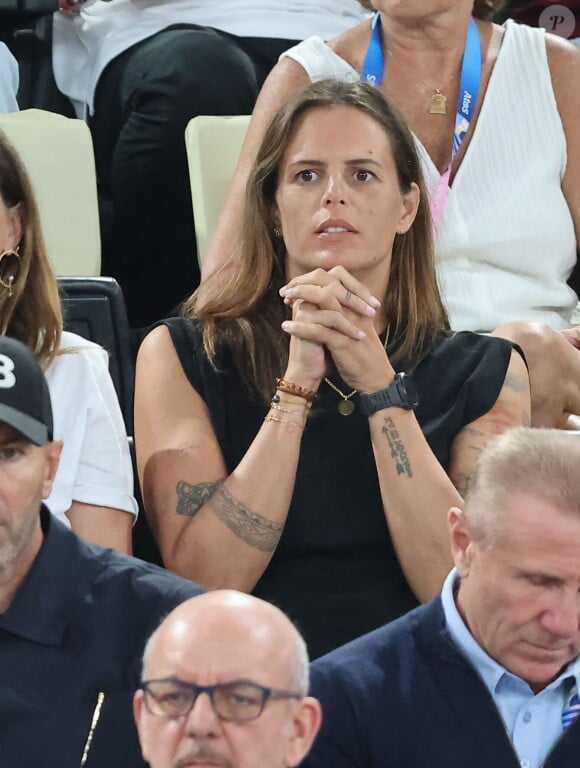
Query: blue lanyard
[374, 64]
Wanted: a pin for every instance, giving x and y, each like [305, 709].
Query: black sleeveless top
[335, 572]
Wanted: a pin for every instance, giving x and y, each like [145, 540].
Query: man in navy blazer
[487, 674]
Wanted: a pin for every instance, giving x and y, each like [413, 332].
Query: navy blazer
[404, 697]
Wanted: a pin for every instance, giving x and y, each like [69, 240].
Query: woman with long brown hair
[295, 428]
[494, 112]
[93, 488]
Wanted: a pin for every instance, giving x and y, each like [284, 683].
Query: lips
[335, 226]
[549, 652]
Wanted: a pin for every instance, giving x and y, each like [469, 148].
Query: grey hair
[300, 669]
[544, 463]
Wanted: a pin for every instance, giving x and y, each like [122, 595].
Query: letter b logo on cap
[7, 377]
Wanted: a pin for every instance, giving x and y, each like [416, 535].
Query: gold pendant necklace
[438, 103]
[345, 407]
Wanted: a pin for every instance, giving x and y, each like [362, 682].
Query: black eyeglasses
[236, 701]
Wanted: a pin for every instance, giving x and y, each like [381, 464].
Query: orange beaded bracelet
[295, 389]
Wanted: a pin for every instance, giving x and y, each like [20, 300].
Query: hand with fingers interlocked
[333, 311]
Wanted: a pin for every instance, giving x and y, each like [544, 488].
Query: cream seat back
[57, 152]
[213, 146]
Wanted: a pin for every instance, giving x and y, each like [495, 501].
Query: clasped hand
[335, 314]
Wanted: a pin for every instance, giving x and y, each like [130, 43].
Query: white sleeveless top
[84, 44]
[506, 244]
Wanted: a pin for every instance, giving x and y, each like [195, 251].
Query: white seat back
[57, 152]
[213, 146]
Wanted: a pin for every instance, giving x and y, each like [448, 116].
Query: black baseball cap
[24, 396]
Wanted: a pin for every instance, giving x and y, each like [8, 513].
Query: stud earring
[8, 282]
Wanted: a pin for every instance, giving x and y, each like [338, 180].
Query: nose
[202, 720]
[335, 191]
[562, 617]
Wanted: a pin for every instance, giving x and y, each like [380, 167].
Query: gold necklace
[345, 407]
[438, 100]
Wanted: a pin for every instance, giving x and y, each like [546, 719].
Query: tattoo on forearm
[190, 498]
[250, 527]
[462, 481]
[255, 530]
[398, 451]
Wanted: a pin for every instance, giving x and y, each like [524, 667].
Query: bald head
[228, 621]
[234, 644]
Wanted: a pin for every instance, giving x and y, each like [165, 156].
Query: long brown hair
[33, 313]
[482, 9]
[239, 303]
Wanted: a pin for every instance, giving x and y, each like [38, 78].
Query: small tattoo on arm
[398, 452]
[190, 498]
[462, 481]
[250, 527]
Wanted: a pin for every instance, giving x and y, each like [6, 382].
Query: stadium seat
[58, 154]
[94, 308]
[213, 145]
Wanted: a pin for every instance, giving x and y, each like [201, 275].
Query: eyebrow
[531, 574]
[14, 441]
[320, 163]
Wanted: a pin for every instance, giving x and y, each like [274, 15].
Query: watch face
[408, 390]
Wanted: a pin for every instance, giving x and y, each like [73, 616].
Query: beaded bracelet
[295, 389]
[302, 402]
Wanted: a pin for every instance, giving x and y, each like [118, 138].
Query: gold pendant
[345, 407]
[438, 104]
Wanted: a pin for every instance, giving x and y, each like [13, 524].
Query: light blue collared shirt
[532, 721]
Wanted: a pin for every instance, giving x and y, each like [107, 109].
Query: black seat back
[94, 308]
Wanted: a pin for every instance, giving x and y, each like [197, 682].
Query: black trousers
[143, 102]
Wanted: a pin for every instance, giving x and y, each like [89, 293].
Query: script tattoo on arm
[190, 498]
[397, 448]
[250, 527]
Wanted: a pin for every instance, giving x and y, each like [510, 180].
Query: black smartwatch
[401, 393]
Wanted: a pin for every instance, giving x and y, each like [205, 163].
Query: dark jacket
[77, 627]
[404, 697]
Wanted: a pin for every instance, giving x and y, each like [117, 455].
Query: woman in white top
[508, 198]
[93, 489]
[143, 69]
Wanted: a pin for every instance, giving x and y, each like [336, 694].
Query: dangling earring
[9, 281]
[277, 233]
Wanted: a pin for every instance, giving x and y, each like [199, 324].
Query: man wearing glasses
[225, 679]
